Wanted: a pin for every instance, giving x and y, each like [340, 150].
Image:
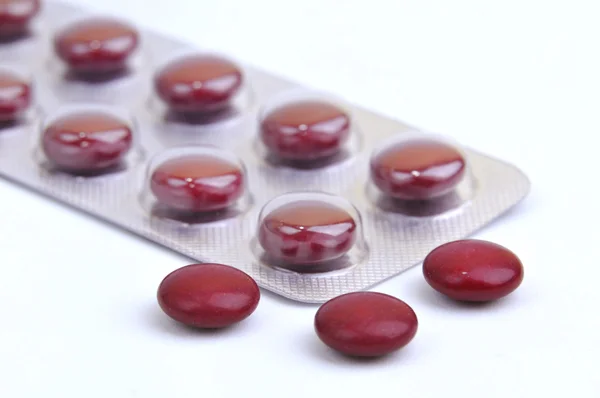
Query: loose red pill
[307, 232]
[208, 295]
[198, 183]
[15, 16]
[86, 141]
[473, 270]
[366, 324]
[198, 84]
[96, 45]
[305, 130]
[418, 169]
[15, 96]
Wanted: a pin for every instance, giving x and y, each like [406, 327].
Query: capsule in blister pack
[311, 196]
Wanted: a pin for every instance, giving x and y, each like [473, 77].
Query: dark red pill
[473, 270]
[366, 324]
[15, 96]
[418, 169]
[198, 83]
[87, 141]
[198, 183]
[208, 296]
[307, 232]
[15, 16]
[96, 45]
[305, 130]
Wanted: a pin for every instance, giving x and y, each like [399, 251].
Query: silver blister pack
[394, 235]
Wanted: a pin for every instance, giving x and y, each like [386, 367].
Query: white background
[519, 79]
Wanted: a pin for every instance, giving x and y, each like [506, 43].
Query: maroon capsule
[305, 130]
[418, 169]
[96, 45]
[307, 232]
[86, 141]
[15, 16]
[473, 270]
[366, 324]
[15, 96]
[198, 84]
[208, 296]
[198, 183]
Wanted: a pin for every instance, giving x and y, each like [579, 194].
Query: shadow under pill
[16, 37]
[429, 296]
[319, 350]
[10, 124]
[420, 208]
[95, 77]
[316, 268]
[53, 169]
[201, 119]
[161, 322]
[164, 212]
[310, 164]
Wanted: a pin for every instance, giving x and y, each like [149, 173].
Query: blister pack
[311, 196]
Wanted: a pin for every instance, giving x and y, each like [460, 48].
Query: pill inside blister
[196, 183]
[15, 96]
[417, 169]
[96, 46]
[305, 130]
[310, 232]
[198, 84]
[15, 17]
[86, 140]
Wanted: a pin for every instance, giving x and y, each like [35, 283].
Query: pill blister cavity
[195, 92]
[196, 185]
[419, 175]
[16, 98]
[97, 58]
[15, 19]
[309, 232]
[88, 141]
[306, 130]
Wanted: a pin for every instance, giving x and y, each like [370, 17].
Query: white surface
[518, 79]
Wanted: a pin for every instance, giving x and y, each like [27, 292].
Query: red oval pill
[198, 83]
[198, 183]
[305, 130]
[15, 16]
[473, 270]
[417, 169]
[307, 232]
[96, 45]
[208, 295]
[87, 141]
[366, 324]
[15, 96]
